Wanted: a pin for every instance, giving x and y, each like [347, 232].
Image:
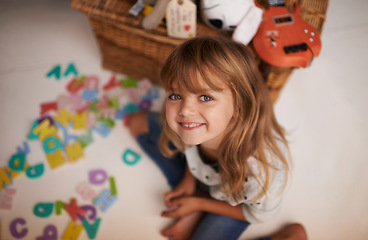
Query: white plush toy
[240, 16]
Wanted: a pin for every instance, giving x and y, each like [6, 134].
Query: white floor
[322, 107]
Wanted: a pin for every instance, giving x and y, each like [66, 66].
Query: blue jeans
[212, 226]
[173, 168]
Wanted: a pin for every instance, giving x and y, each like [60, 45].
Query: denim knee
[218, 227]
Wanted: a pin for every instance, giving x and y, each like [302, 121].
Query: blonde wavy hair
[255, 131]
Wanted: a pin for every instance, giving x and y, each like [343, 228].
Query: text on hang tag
[181, 18]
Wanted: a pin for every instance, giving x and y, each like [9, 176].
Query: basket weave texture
[129, 49]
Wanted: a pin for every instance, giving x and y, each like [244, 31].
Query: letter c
[13, 228]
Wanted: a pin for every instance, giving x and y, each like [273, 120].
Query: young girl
[219, 144]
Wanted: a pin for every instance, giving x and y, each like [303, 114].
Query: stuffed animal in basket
[240, 16]
[155, 16]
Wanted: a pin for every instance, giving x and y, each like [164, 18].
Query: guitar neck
[276, 3]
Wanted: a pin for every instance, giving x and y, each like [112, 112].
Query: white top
[264, 209]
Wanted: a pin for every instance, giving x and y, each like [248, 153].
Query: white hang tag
[181, 19]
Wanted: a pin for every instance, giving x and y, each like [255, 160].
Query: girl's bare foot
[137, 123]
[183, 228]
[292, 232]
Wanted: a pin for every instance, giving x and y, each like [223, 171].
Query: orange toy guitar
[284, 39]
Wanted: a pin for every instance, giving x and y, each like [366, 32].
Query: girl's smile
[191, 125]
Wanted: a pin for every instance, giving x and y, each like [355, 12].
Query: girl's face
[200, 118]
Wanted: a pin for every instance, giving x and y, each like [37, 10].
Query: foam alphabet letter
[102, 129]
[36, 171]
[63, 117]
[13, 228]
[59, 205]
[89, 95]
[71, 69]
[129, 82]
[86, 191]
[48, 106]
[91, 209]
[25, 149]
[72, 231]
[133, 95]
[91, 229]
[76, 84]
[105, 200]
[97, 177]
[114, 103]
[80, 121]
[103, 103]
[51, 144]
[86, 140]
[130, 157]
[131, 108]
[17, 161]
[55, 71]
[113, 186]
[43, 118]
[44, 129]
[112, 83]
[84, 108]
[56, 159]
[144, 86]
[5, 178]
[43, 210]
[63, 101]
[67, 137]
[49, 233]
[74, 152]
[152, 93]
[6, 198]
[93, 108]
[74, 210]
[108, 113]
[145, 104]
[76, 101]
[31, 134]
[14, 174]
[91, 83]
[120, 113]
[106, 121]
[91, 120]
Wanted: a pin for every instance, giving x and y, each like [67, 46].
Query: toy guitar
[283, 39]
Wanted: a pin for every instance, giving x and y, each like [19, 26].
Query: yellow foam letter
[64, 117]
[74, 152]
[80, 121]
[44, 130]
[4, 178]
[56, 159]
[72, 232]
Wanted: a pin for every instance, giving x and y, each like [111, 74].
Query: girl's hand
[169, 197]
[182, 206]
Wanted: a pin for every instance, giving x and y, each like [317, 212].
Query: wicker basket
[129, 49]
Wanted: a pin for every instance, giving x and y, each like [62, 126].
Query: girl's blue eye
[205, 98]
[174, 97]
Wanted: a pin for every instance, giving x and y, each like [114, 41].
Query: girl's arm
[185, 188]
[187, 205]
[221, 208]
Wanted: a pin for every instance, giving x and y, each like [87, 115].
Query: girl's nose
[187, 108]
